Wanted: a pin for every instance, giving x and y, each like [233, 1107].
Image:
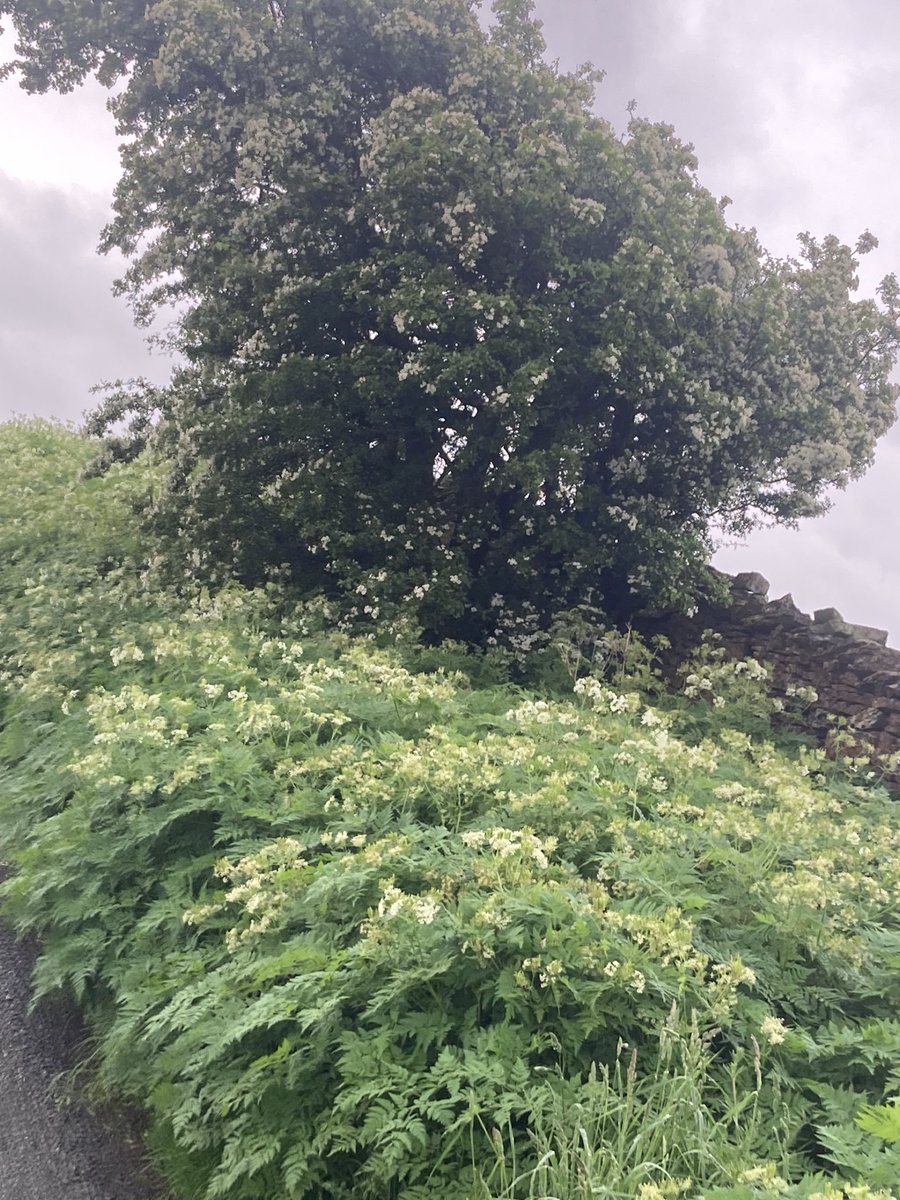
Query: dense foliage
[362, 921]
[454, 345]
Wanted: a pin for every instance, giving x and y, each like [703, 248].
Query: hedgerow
[351, 923]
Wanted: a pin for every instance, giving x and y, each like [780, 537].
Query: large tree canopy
[452, 342]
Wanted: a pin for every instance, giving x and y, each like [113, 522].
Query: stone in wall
[851, 667]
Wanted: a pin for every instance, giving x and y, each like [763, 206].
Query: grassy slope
[351, 927]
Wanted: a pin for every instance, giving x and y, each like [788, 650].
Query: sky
[791, 106]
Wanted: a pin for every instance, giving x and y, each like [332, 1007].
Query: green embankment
[367, 921]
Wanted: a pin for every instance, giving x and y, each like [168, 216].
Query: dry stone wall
[851, 667]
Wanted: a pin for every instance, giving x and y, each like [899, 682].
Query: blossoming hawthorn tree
[451, 341]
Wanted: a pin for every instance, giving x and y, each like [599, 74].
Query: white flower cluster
[507, 842]
[127, 653]
[718, 679]
[547, 973]
[259, 888]
[773, 1030]
[604, 699]
[540, 712]
[395, 901]
[751, 668]
[765, 1177]
[627, 974]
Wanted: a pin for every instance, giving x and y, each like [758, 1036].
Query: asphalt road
[51, 1147]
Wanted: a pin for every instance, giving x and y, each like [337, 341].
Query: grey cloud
[655, 53]
[61, 331]
[740, 83]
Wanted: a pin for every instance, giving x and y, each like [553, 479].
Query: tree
[453, 344]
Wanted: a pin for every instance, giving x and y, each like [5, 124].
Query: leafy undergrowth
[350, 927]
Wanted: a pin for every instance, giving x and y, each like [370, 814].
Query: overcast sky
[792, 107]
